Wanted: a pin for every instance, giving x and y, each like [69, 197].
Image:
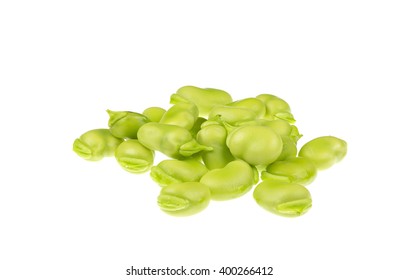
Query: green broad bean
[281, 127]
[290, 149]
[276, 108]
[297, 170]
[204, 98]
[181, 114]
[184, 199]
[154, 114]
[171, 140]
[252, 104]
[231, 181]
[96, 144]
[255, 144]
[125, 124]
[214, 135]
[283, 198]
[324, 151]
[231, 115]
[134, 157]
[171, 171]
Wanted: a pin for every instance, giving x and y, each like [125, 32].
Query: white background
[63, 63]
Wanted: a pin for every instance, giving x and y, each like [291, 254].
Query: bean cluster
[218, 149]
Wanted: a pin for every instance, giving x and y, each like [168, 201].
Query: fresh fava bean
[324, 151]
[184, 199]
[214, 135]
[181, 114]
[231, 181]
[276, 108]
[154, 114]
[171, 140]
[96, 144]
[252, 104]
[255, 144]
[283, 198]
[204, 98]
[177, 171]
[125, 124]
[231, 115]
[297, 170]
[289, 148]
[134, 157]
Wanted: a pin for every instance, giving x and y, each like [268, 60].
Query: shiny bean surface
[283, 198]
[231, 181]
[133, 157]
[324, 151]
[96, 144]
[177, 171]
[125, 124]
[184, 199]
[257, 145]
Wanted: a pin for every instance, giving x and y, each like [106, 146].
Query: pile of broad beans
[218, 149]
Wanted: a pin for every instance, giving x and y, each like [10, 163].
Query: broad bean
[283, 198]
[134, 157]
[324, 151]
[181, 114]
[125, 124]
[214, 135]
[289, 148]
[95, 144]
[154, 114]
[231, 115]
[281, 127]
[177, 171]
[184, 199]
[171, 140]
[276, 108]
[253, 104]
[231, 181]
[297, 170]
[255, 144]
[204, 98]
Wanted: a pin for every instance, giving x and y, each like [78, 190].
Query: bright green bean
[282, 198]
[181, 114]
[281, 127]
[231, 181]
[177, 171]
[214, 136]
[96, 144]
[171, 140]
[290, 149]
[324, 151]
[134, 157]
[204, 98]
[184, 199]
[276, 108]
[297, 170]
[231, 115]
[125, 124]
[253, 104]
[255, 144]
[154, 114]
